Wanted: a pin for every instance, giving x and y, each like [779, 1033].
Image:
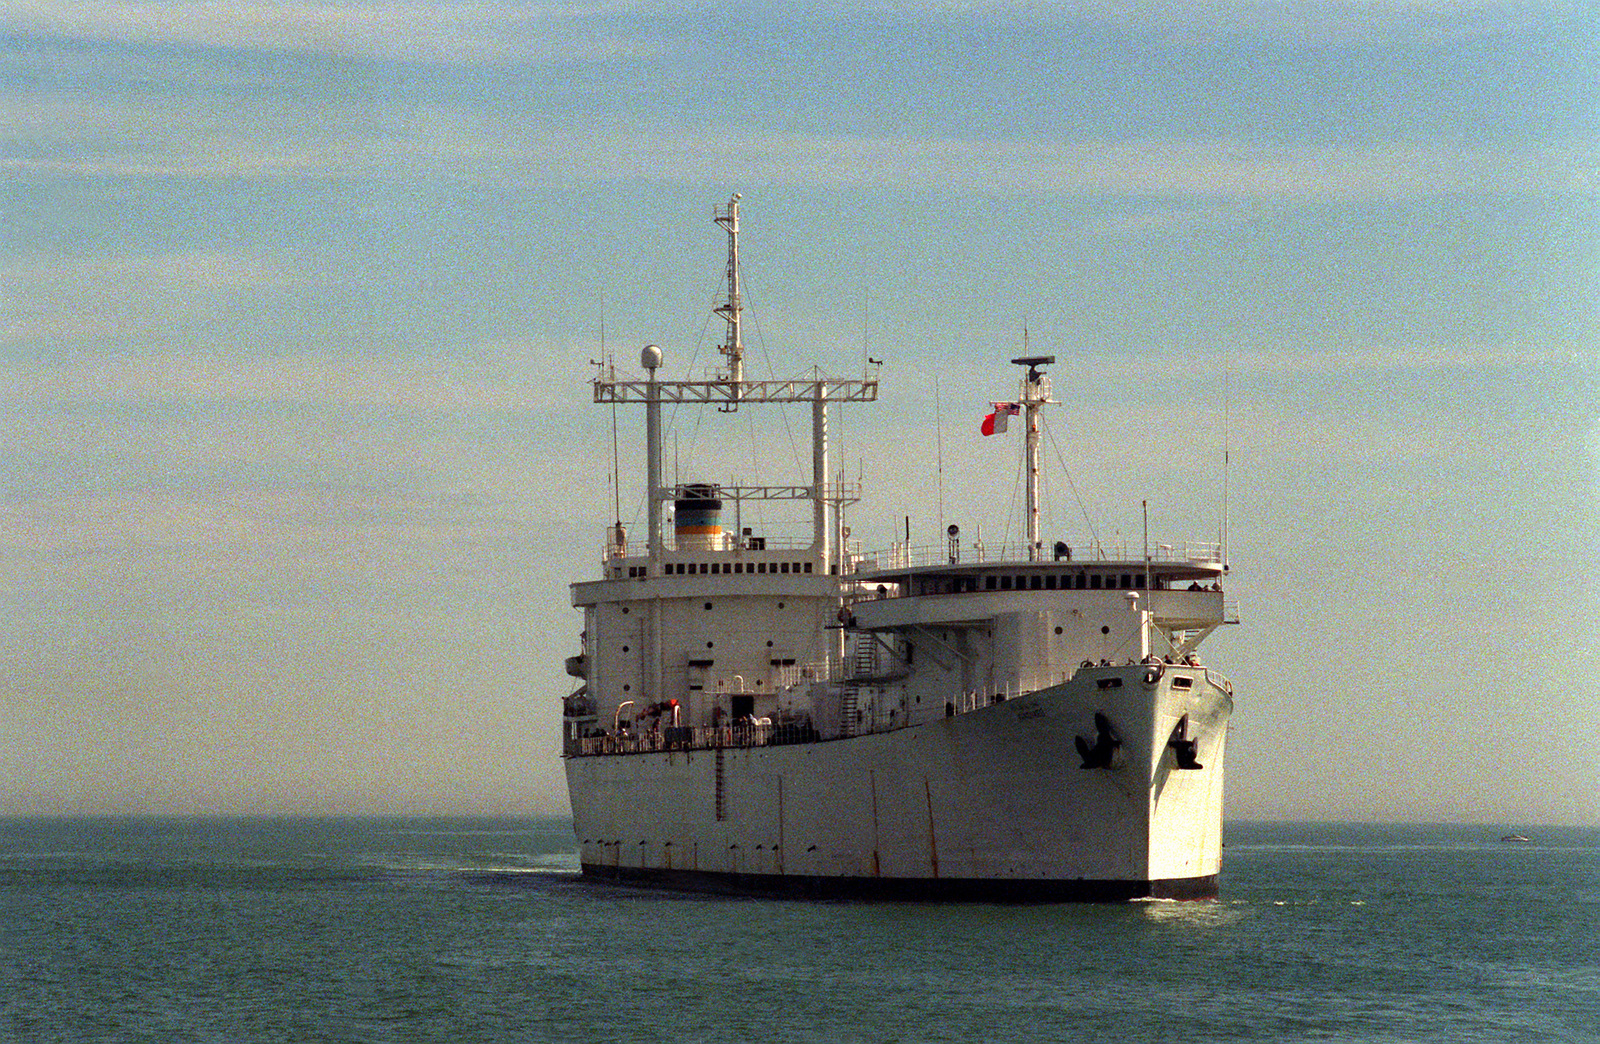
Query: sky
[298, 454]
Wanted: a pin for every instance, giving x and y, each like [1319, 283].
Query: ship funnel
[697, 519]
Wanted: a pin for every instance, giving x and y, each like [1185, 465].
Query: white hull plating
[989, 804]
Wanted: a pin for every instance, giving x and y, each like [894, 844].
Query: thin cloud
[494, 377]
[74, 137]
[1306, 21]
[425, 32]
[474, 32]
[1385, 358]
[1206, 168]
[77, 135]
[78, 300]
[186, 271]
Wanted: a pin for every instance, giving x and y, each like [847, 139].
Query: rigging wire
[1075, 494]
[938, 440]
[785, 410]
[772, 374]
[1013, 511]
[616, 468]
[688, 374]
[1227, 401]
[616, 452]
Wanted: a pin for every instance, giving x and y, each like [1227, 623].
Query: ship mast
[727, 392]
[728, 218]
[1035, 393]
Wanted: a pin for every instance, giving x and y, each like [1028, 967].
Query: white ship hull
[989, 804]
[964, 720]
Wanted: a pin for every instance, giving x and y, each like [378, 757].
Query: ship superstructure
[1026, 723]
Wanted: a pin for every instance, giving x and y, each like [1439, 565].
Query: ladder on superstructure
[863, 664]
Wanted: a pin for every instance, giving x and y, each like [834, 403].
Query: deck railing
[911, 556]
[696, 737]
[764, 733]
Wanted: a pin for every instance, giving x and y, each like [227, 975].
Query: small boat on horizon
[1517, 839]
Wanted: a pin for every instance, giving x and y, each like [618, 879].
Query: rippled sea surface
[481, 930]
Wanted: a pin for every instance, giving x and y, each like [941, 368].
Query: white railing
[792, 676]
[763, 732]
[729, 542]
[911, 556]
[691, 737]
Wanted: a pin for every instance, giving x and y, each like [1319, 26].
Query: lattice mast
[728, 391]
[730, 310]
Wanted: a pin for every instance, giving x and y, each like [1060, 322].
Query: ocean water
[481, 930]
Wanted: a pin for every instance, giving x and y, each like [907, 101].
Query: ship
[944, 721]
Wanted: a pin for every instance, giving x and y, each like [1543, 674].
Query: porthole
[624, 610]
[625, 648]
[708, 606]
[711, 645]
[1105, 630]
[780, 605]
[1058, 630]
